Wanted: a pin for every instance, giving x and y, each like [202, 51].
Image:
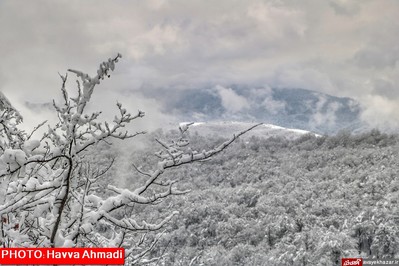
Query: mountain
[286, 107]
[227, 129]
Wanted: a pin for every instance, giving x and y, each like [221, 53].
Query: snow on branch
[89, 83]
[50, 190]
[173, 156]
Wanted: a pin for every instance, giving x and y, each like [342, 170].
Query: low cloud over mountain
[288, 107]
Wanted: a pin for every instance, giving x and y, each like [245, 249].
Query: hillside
[225, 129]
[274, 201]
[286, 107]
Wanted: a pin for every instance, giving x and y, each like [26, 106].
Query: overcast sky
[340, 47]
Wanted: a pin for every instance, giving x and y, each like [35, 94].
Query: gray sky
[341, 47]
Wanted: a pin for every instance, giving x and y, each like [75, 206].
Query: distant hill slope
[227, 129]
[291, 107]
[273, 201]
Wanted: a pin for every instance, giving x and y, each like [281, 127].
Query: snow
[40, 209]
[193, 124]
[30, 145]
[95, 200]
[31, 184]
[226, 128]
[14, 157]
[86, 228]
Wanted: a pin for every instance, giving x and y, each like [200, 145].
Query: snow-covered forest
[257, 132]
[52, 194]
[273, 201]
[198, 199]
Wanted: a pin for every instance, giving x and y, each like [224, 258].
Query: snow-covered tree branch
[49, 190]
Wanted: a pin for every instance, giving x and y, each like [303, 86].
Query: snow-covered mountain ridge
[228, 128]
[286, 107]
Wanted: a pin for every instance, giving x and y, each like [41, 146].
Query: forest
[273, 201]
[176, 197]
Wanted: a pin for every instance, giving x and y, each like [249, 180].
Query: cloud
[325, 113]
[307, 77]
[231, 101]
[268, 102]
[340, 47]
[156, 42]
[345, 7]
[272, 105]
[386, 88]
[377, 57]
[381, 112]
[277, 22]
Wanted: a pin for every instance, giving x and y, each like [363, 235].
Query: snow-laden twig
[50, 187]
